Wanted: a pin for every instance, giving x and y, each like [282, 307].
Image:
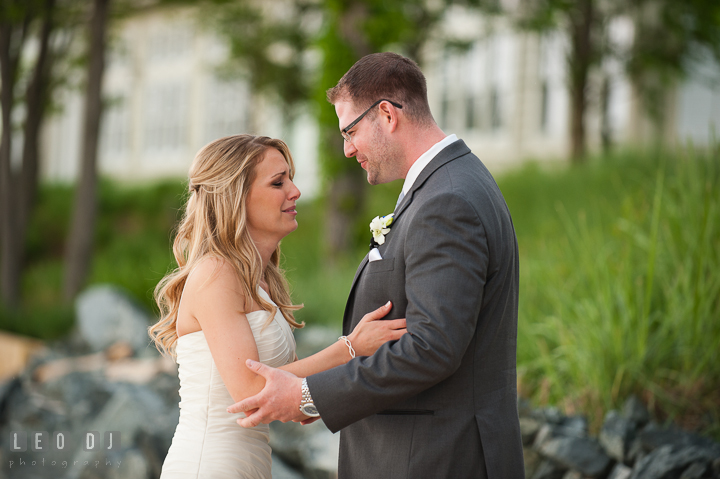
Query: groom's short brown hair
[388, 76]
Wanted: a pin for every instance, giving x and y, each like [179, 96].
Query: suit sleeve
[446, 257]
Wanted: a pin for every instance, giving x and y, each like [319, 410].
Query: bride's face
[271, 200]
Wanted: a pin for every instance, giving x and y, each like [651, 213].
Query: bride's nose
[294, 193]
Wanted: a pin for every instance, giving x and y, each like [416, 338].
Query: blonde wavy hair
[214, 224]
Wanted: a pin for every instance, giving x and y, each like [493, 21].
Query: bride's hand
[370, 333]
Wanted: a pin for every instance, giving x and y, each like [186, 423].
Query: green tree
[583, 23]
[21, 21]
[79, 246]
[668, 34]
[670, 39]
[324, 38]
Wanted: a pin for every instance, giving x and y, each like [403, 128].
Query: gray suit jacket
[441, 402]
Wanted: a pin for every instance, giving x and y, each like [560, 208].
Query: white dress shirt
[423, 161]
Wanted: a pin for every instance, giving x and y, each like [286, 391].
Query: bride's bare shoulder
[210, 277]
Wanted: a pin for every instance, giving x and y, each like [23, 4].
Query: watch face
[309, 410]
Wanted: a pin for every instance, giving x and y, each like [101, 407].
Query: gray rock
[133, 465]
[696, 470]
[106, 314]
[572, 475]
[579, 453]
[620, 471]
[634, 410]
[167, 386]
[83, 394]
[716, 467]
[616, 436]
[524, 407]
[546, 433]
[550, 415]
[6, 389]
[635, 451]
[528, 430]
[573, 428]
[311, 449]
[576, 426]
[653, 437]
[531, 460]
[667, 463]
[549, 470]
[280, 470]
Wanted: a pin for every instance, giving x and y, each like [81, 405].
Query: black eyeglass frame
[344, 132]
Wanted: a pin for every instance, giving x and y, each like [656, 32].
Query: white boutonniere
[379, 227]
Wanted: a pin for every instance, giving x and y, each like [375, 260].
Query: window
[165, 117]
[226, 109]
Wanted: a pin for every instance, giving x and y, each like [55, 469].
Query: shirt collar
[423, 161]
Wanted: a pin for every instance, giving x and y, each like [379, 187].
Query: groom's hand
[279, 400]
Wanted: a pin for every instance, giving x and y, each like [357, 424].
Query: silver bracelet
[348, 344]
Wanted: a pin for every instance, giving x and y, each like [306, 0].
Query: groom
[441, 402]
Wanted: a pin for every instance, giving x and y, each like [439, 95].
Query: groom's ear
[389, 116]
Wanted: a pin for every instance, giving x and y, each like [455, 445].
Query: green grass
[620, 282]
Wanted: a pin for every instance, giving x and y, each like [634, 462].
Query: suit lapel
[346, 315]
[359, 270]
[452, 151]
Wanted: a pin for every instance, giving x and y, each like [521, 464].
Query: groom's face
[370, 144]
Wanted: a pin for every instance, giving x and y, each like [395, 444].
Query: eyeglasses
[346, 136]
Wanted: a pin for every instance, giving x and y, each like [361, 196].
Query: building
[505, 95]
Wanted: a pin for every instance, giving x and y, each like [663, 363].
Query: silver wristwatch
[307, 406]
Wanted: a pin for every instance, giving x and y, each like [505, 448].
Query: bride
[228, 301]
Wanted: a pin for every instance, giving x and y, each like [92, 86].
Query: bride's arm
[214, 297]
[366, 338]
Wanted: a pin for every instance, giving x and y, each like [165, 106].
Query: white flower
[379, 227]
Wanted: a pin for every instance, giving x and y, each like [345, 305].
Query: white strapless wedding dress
[208, 443]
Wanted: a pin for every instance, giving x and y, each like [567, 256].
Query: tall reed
[624, 295]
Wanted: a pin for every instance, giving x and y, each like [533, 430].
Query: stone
[312, 449]
[582, 454]
[531, 460]
[576, 426]
[653, 437]
[546, 432]
[616, 436]
[6, 389]
[549, 470]
[167, 386]
[524, 407]
[716, 467]
[528, 430]
[15, 353]
[572, 475]
[139, 370]
[634, 410]
[133, 466]
[620, 471]
[550, 415]
[84, 394]
[635, 451]
[53, 369]
[106, 314]
[667, 463]
[119, 350]
[280, 470]
[695, 471]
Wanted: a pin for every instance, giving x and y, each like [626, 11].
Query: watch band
[307, 406]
